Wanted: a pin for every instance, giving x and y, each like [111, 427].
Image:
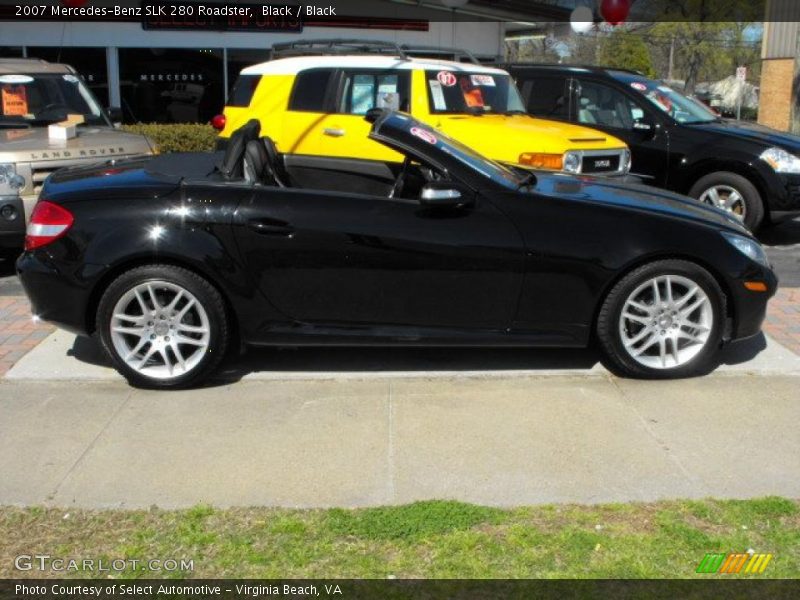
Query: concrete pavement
[362, 441]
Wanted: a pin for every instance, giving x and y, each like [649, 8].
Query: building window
[168, 85]
[90, 63]
[11, 52]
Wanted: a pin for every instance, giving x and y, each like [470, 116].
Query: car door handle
[271, 227]
[334, 131]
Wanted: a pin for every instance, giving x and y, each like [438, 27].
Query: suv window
[600, 104]
[546, 97]
[308, 94]
[243, 90]
[362, 91]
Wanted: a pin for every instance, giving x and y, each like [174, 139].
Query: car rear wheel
[163, 326]
[732, 193]
[663, 320]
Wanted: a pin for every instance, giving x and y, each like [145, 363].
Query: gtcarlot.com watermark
[45, 562]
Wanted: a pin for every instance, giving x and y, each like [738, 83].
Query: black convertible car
[174, 259]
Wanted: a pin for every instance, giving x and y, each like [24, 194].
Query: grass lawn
[422, 540]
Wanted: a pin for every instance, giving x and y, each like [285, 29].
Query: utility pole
[671, 58]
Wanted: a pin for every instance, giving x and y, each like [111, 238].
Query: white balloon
[582, 19]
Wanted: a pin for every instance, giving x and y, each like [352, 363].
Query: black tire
[207, 296]
[619, 360]
[754, 204]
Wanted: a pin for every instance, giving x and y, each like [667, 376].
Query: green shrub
[177, 137]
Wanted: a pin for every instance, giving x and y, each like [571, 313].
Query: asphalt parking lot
[355, 427]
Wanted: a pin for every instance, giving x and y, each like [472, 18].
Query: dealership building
[178, 68]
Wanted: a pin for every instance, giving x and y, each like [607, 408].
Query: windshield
[40, 99]
[464, 154]
[462, 92]
[676, 105]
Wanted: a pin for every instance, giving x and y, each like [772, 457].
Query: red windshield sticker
[639, 86]
[424, 134]
[446, 78]
[15, 100]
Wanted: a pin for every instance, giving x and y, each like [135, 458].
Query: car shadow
[337, 360]
[783, 234]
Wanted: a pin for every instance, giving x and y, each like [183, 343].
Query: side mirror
[115, 114]
[444, 194]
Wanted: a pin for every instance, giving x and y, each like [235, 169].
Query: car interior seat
[276, 164]
[232, 165]
[588, 106]
[256, 165]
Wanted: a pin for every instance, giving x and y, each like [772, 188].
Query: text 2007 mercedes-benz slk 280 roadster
[174, 259]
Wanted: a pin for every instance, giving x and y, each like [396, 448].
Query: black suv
[677, 142]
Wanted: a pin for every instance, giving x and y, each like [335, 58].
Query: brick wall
[775, 99]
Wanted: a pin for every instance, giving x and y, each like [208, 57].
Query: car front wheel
[663, 320]
[732, 193]
[162, 326]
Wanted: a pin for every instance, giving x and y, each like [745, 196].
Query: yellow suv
[314, 106]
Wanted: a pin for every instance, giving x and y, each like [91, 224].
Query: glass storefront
[171, 85]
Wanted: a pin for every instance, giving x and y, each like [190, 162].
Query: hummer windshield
[40, 99]
[475, 93]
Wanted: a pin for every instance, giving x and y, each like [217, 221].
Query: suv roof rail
[335, 46]
[569, 66]
[456, 53]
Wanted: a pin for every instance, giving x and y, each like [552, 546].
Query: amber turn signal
[756, 286]
[538, 160]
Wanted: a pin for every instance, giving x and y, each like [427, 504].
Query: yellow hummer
[313, 104]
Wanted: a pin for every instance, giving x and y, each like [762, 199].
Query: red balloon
[615, 11]
[74, 3]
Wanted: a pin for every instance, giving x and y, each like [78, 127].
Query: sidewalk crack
[694, 479]
[89, 446]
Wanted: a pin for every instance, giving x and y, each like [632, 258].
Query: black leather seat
[257, 165]
[232, 165]
[279, 172]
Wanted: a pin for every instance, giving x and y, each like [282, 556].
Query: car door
[603, 106]
[342, 258]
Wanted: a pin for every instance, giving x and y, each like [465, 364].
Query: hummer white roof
[295, 64]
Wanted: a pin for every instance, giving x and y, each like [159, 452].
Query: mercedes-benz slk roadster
[173, 260]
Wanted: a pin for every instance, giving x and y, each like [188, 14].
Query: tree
[625, 50]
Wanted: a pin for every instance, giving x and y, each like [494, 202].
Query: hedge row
[177, 137]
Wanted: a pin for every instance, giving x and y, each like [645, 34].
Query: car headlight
[781, 160]
[10, 182]
[627, 159]
[749, 247]
[572, 162]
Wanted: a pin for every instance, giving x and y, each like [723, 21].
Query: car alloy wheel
[160, 329]
[727, 198]
[666, 322]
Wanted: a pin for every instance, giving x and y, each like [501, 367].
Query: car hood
[35, 145]
[506, 137]
[751, 132]
[635, 197]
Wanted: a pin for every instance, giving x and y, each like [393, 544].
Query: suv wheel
[162, 326]
[662, 320]
[732, 193]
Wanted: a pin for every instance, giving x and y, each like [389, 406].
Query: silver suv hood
[91, 144]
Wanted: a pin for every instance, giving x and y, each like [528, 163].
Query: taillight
[48, 223]
[218, 122]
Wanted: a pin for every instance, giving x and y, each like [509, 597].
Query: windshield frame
[687, 104]
[512, 90]
[100, 119]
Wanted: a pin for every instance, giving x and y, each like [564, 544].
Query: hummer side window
[366, 90]
[600, 104]
[546, 97]
[308, 94]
